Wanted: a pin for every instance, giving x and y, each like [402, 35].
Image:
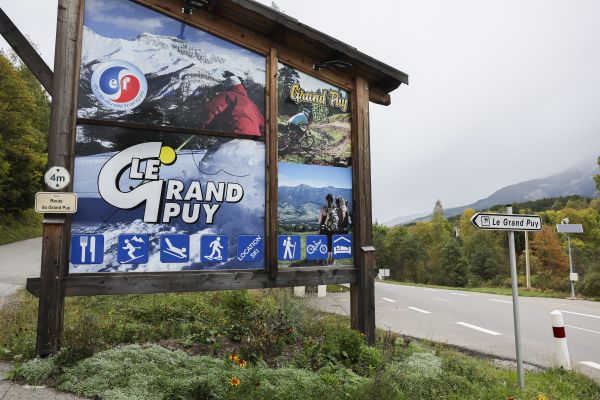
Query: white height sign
[507, 222]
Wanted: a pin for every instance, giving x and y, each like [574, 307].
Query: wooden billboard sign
[229, 153]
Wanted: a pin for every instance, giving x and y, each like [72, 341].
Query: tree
[24, 112]
[597, 178]
[546, 247]
[454, 266]
[482, 250]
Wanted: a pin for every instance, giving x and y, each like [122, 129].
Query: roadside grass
[494, 290]
[24, 225]
[260, 344]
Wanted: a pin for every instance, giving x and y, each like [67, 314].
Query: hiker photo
[314, 201]
[313, 121]
[167, 73]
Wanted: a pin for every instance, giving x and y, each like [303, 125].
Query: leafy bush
[591, 284]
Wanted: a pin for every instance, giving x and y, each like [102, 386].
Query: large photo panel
[315, 214]
[140, 66]
[152, 201]
[314, 120]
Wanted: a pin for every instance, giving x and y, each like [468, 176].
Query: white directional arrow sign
[507, 222]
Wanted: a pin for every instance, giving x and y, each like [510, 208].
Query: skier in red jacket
[232, 110]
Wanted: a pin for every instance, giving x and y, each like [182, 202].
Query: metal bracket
[54, 220]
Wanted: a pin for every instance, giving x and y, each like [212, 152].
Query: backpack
[332, 219]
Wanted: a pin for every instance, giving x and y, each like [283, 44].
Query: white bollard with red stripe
[561, 350]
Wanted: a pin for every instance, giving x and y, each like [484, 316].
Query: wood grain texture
[60, 153]
[362, 293]
[113, 284]
[272, 202]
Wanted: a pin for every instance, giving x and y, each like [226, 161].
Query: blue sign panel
[133, 249]
[174, 248]
[316, 247]
[250, 248]
[342, 246]
[289, 247]
[87, 249]
[213, 248]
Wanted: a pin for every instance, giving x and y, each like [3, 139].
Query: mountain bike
[290, 139]
[311, 248]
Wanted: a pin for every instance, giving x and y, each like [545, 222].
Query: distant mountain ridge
[576, 180]
[299, 205]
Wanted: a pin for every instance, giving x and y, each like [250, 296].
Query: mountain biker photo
[298, 124]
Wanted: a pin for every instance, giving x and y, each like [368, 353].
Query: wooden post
[26, 52]
[362, 293]
[271, 165]
[60, 150]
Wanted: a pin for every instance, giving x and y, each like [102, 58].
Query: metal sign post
[567, 228]
[511, 223]
[515, 301]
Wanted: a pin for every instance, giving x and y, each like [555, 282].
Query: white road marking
[437, 298]
[478, 328]
[583, 315]
[501, 301]
[419, 310]
[459, 294]
[582, 329]
[386, 299]
[556, 305]
[590, 364]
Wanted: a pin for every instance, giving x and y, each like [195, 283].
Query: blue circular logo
[119, 85]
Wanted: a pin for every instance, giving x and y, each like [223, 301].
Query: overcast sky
[500, 91]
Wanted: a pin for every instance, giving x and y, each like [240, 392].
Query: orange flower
[234, 381]
[233, 357]
[242, 363]
[540, 396]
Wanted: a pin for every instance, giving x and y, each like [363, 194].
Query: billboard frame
[55, 282]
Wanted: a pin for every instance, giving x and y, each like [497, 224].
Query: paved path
[484, 322]
[19, 261]
[11, 391]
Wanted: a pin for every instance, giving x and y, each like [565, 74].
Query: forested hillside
[454, 253]
[24, 125]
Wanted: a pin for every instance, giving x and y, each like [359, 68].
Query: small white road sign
[507, 222]
[55, 203]
[57, 178]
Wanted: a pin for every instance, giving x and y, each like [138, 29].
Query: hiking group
[334, 219]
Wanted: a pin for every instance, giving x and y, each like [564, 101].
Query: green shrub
[153, 372]
[37, 371]
[591, 284]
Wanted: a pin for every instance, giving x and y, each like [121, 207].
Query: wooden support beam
[271, 164]
[362, 293]
[26, 51]
[147, 282]
[60, 150]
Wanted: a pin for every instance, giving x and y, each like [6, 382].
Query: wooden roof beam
[26, 52]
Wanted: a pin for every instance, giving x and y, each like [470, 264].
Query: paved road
[484, 322]
[19, 261]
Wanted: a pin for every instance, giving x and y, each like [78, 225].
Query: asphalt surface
[19, 261]
[484, 322]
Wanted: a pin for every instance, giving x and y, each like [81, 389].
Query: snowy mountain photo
[185, 69]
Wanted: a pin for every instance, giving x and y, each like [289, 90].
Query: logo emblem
[119, 85]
